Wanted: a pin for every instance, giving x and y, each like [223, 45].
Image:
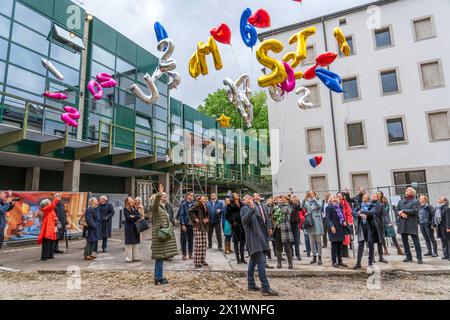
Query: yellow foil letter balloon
[343, 45]
[194, 68]
[198, 64]
[278, 74]
[297, 57]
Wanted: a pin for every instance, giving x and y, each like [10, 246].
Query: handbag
[309, 222]
[82, 222]
[141, 225]
[165, 234]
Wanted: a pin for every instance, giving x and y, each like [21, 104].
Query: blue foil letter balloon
[248, 32]
[330, 79]
[161, 33]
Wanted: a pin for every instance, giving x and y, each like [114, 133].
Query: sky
[188, 22]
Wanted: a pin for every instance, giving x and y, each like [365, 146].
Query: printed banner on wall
[23, 222]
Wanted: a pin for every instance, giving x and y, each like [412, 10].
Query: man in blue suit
[215, 210]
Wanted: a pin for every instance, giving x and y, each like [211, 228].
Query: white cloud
[188, 22]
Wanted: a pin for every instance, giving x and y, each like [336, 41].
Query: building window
[318, 184]
[383, 37]
[315, 96]
[351, 45]
[360, 180]
[351, 89]
[315, 142]
[355, 135]
[310, 56]
[143, 122]
[439, 125]
[423, 28]
[342, 21]
[395, 130]
[415, 179]
[431, 74]
[389, 81]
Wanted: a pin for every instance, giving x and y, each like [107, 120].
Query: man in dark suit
[263, 209]
[107, 212]
[256, 225]
[60, 211]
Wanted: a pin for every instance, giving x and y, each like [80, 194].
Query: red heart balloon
[325, 59]
[260, 19]
[310, 73]
[222, 34]
[318, 160]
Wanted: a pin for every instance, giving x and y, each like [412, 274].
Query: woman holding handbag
[164, 244]
[199, 215]
[132, 236]
[313, 224]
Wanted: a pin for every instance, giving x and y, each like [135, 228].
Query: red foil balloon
[310, 73]
[260, 19]
[222, 34]
[318, 159]
[325, 59]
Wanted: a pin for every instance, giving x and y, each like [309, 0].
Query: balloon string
[236, 60]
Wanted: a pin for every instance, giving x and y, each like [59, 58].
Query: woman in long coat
[200, 218]
[389, 229]
[347, 210]
[282, 231]
[315, 232]
[132, 237]
[161, 249]
[48, 234]
[92, 232]
[337, 223]
[233, 216]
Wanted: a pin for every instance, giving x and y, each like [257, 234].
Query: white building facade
[392, 124]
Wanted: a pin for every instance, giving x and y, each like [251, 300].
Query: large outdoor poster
[23, 222]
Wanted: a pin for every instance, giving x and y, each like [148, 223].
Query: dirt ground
[220, 286]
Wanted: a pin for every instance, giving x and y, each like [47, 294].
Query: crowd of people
[340, 221]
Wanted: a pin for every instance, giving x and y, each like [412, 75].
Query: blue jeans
[257, 259]
[159, 269]
[308, 245]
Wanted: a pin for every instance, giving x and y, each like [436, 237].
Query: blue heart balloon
[330, 79]
[161, 33]
[313, 162]
[248, 32]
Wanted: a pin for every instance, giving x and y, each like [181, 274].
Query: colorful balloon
[224, 121]
[310, 73]
[330, 79]
[198, 64]
[325, 59]
[300, 54]
[222, 34]
[167, 65]
[56, 95]
[313, 162]
[52, 69]
[248, 32]
[106, 80]
[160, 32]
[138, 93]
[70, 116]
[95, 89]
[241, 98]
[260, 19]
[278, 74]
[289, 84]
[276, 93]
[318, 160]
[305, 95]
[342, 41]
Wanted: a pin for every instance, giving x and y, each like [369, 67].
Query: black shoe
[254, 289]
[383, 260]
[341, 264]
[408, 260]
[243, 261]
[319, 261]
[105, 250]
[161, 282]
[357, 267]
[434, 255]
[335, 265]
[428, 254]
[299, 258]
[308, 255]
[291, 266]
[279, 266]
[59, 252]
[220, 249]
[419, 261]
[270, 292]
[445, 258]
[269, 266]
[314, 260]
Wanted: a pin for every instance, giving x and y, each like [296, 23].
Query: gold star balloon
[224, 121]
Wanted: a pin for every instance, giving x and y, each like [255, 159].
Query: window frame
[323, 150]
[405, 131]
[391, 34]
[427, 118]
[441, 71]
[359, 97]
[397, 75]
[318, 175]
[313, 61]
[365, 145]
[433, 28]
[318, 94]
[354, 173]
[352, 52]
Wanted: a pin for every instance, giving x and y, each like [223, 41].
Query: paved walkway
[27, 259]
